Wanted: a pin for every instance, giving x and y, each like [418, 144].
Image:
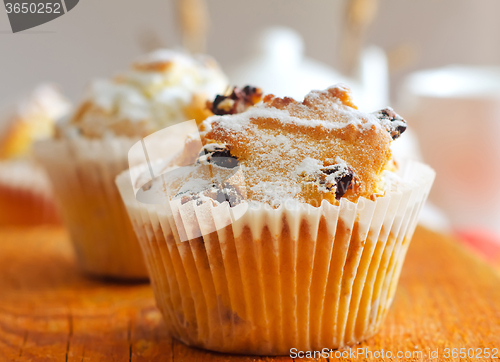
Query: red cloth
[484, 242]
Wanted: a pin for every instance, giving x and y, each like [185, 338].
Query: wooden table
[447, 298]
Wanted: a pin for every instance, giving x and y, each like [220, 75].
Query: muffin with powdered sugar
[288, 230]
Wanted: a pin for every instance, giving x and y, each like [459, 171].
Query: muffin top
[322, 148]
[162, 88]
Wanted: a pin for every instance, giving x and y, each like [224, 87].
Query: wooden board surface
[447, 298]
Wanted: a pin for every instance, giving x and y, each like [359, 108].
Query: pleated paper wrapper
[83, 173]
[256, 280]
[26, 197]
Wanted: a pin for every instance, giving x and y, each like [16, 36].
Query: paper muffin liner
[25, 195]
[275, 279]
[82, 172]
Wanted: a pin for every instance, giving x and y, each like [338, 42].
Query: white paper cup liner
[275, 279]
[25, 195]
[82, 172]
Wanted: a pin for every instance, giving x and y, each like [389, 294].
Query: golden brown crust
[235, 100]
[162, 89]
[93, 121]
[197, 109]
[271, 149]
[158, 66]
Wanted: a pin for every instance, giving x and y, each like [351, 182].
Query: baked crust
[325, 129]
[162, 89]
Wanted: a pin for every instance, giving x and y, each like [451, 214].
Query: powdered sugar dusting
[317, 150]
[308, 166]
[302, 116]
[275, 193]
[156, 91]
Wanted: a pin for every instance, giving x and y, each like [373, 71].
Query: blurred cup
[455, 112]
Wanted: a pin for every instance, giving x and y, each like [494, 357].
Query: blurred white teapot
[279, 67]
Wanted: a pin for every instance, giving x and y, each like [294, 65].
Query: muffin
[91, 148]
[288, 230]
[25, 192]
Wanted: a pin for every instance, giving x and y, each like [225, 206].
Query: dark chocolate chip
[217, 155]
[393, 122]
[229, 193]
[219, 192]
[342, 180]
[225, 192]
[186, 198]
[220, 196]
[218, 109]
[234, 197]
[238, 101]
[249, 90]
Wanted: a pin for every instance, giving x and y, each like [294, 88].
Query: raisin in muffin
[325, 147]
[91, 149]
[288, 230]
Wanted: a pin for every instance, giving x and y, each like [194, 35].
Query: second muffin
[162, 88]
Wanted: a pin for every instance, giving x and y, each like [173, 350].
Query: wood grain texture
[447, 298]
